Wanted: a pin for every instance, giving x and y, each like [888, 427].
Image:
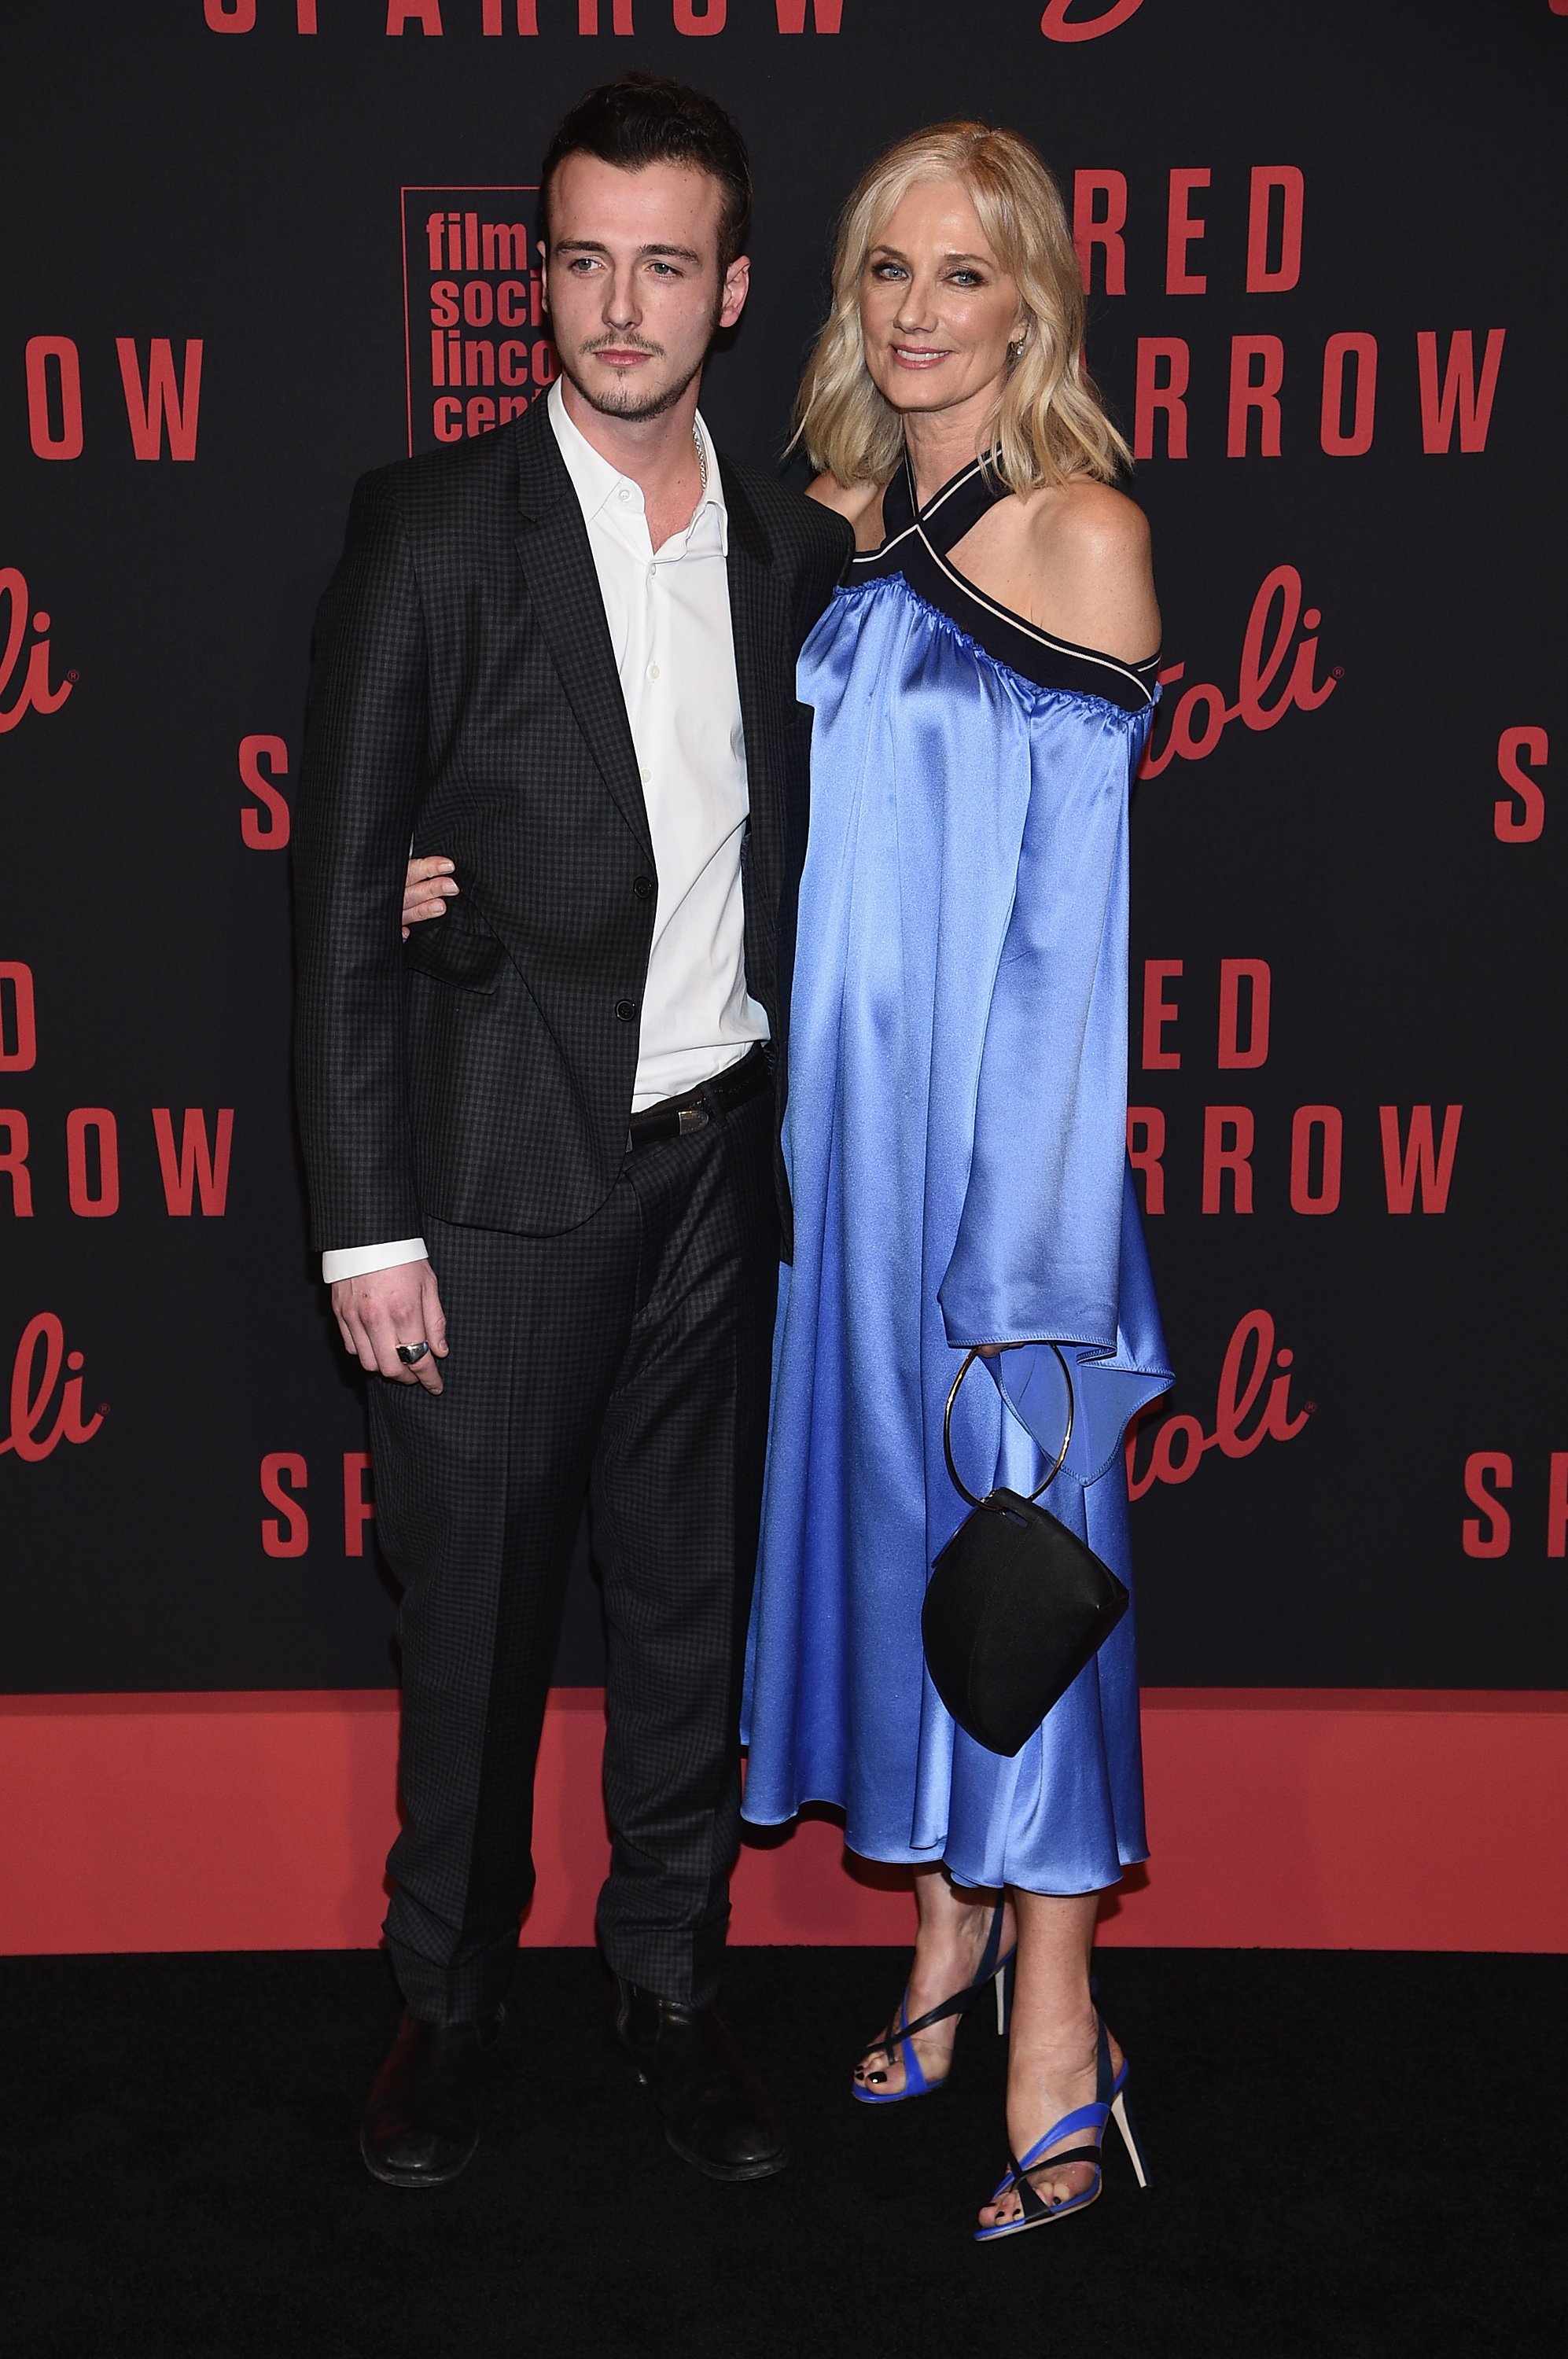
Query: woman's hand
[426, 889]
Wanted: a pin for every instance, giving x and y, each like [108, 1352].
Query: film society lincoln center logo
[478, 353]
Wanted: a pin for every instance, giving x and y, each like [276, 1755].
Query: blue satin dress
[955, 1137]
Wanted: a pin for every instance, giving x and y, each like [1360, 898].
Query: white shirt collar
[596, 482]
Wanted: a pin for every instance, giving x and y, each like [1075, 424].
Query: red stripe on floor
[1280, 1818]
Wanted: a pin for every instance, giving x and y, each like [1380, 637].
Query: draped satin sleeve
[1037, 1251]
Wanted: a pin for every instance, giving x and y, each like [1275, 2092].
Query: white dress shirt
[669, 614]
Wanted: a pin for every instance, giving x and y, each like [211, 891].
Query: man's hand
[388, 1307]
[427, 886]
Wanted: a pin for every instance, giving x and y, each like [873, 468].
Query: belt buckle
[690, 1118]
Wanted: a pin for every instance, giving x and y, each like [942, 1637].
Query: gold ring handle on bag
[971, 1356]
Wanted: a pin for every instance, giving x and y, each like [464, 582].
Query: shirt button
[652, 572]
[625, 1009]
[642, 886]
[653, 672]
[646, 776]
[623, 494]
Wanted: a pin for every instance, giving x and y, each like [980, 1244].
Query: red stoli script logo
[1180, 1442]
[33, 1390]
[1202, 715]
[34, 694]
[1056, 26]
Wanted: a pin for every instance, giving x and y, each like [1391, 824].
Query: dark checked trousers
[627, 1362]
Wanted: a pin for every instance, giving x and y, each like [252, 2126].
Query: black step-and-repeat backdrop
[256, 246]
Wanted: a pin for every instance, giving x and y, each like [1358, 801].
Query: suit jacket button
[642, 886]
[625, 1009]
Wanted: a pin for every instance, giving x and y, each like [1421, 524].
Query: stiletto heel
[1004, 1981]
[1110, 2105]
[902, 2034]
[1123, 2121]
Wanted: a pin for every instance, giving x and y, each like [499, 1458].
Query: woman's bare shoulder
[860, 503]
[1088, 523]
[1090, 553]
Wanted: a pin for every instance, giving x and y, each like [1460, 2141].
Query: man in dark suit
[541, 1134]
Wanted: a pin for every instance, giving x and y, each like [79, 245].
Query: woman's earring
[1015, 351]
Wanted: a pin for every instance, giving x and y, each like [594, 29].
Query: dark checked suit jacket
[463, 698]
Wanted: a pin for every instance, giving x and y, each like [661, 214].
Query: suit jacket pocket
[458, 949]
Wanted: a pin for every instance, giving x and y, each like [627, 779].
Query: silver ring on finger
[412, 1353]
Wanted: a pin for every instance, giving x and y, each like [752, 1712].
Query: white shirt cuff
[357, 1261]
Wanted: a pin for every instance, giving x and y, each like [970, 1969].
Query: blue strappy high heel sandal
[901, 2033]
[1110, 2105]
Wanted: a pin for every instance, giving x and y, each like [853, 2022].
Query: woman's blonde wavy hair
[1050, 425]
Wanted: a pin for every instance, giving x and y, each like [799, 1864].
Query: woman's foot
[1050, 2077]
[949, 1948]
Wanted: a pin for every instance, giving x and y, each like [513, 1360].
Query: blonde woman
[981, 685]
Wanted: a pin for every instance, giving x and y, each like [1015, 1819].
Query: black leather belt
[673, 1117]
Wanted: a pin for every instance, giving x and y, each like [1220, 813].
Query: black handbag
[1016, 1606]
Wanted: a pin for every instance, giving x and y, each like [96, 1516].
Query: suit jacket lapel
[552, 545]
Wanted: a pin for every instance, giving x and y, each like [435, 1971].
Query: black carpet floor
[1350, 2155]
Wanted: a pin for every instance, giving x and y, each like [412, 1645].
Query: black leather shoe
[421, 2121]
[716, 2116]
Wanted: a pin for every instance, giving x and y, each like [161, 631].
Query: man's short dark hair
[646, 119]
